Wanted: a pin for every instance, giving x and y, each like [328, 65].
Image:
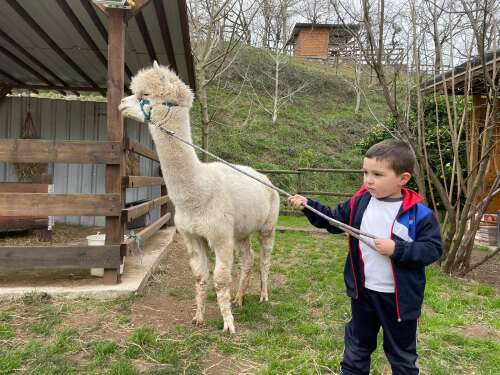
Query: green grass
[300, 331]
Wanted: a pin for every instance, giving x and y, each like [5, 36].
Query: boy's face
[381, 180]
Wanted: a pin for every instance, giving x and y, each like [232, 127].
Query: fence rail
[301, 172]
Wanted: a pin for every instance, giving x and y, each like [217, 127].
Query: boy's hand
[298, 202]
[384, 246]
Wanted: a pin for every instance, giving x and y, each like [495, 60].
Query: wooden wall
[312, 43]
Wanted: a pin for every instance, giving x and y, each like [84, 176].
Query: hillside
[317, 128]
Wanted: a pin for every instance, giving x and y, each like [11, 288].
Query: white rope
[356, 233]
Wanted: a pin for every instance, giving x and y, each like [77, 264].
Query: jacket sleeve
[426, 248]
[341, 213]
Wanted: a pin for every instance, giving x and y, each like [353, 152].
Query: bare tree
[217, 29]
[461, 190]
[277, 30]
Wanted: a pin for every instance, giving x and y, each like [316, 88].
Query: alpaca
[216, 207]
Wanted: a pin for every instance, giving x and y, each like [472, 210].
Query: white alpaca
[215, 206]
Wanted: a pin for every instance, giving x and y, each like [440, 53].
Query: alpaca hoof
[229, 328]
[264, 298]
[197, 321]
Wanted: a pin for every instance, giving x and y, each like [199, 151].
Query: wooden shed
[321, 40]
[468, 78]
[75, 46]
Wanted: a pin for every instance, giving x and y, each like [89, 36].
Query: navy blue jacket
[418, 244]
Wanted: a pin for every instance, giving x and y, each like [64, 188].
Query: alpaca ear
[155, 65]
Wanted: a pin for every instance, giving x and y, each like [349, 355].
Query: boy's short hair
[398, 153]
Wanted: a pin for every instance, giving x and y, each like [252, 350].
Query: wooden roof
[62, 44]
[467, 77]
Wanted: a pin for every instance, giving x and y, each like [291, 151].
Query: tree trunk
[205, 118]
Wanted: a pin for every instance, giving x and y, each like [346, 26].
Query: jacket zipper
[396, 296]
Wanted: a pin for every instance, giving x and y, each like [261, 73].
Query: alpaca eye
[169, 103]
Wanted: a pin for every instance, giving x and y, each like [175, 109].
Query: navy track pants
[371, 311]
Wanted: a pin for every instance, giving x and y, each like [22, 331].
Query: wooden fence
[301, 173]
[110, 204]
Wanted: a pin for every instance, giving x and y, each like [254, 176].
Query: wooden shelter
[72, 46]
[321, 40]
[468, 79]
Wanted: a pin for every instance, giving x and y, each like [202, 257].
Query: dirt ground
[488, 273]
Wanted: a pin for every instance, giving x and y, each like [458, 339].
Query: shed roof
[62, 44]
[457, 79]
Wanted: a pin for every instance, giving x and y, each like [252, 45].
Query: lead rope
[356, 233]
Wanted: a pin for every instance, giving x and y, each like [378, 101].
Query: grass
[300, 331]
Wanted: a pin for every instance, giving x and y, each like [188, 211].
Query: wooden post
[115, 128]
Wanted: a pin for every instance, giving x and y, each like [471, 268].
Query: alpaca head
[158, 96]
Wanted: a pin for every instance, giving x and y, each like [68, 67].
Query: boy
[386, 285]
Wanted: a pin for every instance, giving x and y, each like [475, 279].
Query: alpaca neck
[179, 163]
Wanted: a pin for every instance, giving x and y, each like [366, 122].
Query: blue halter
[147, 114]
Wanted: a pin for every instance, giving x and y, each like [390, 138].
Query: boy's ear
[404, 178]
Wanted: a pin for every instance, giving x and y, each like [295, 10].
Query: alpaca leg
[197, 250]
[222, 281]
[266, 243]
[246, 266]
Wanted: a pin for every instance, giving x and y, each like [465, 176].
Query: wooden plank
[134, 212]
[60, 257]
[140, 149]
[46, 151]
[153, 228]
[22, 223]
[138, 181]
[23, 187]
[115, 128]
[40, 204]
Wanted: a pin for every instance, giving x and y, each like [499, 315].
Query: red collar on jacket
[410, 197]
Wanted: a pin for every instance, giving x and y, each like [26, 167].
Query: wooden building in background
[321, 40]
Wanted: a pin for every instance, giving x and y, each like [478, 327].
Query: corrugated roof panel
[49, 15]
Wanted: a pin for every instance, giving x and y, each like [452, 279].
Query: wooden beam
[23, 187]
[35, 88]
[22, 223]
[139, 4]
[115, 128]
[47, 151]
[60, 257]
[40, 204]
[139, 181]
[137, 147]
[134, 212]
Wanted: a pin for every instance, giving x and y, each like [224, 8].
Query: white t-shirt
[378, 220]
